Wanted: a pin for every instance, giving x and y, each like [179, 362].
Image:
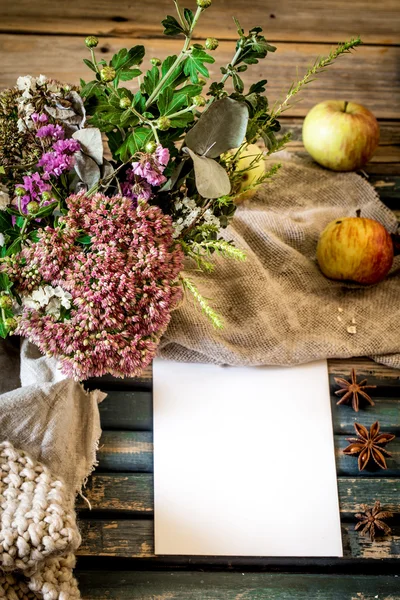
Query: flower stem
[178, 60]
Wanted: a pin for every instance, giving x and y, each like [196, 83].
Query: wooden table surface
[116, 559]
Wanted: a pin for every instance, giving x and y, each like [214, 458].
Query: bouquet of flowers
[93, 248]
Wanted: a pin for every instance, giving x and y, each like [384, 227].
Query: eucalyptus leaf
[87, 169]
[219, 129]
[212, 180]
[91, 143]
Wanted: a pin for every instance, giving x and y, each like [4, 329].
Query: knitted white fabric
[37, 525]
[49, 432]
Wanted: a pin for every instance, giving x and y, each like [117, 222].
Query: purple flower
[151, 166]
[55, 164]
[36, 118]
[69, 146]
[162, 155]
[51, 131]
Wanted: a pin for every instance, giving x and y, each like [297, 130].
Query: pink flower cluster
[146, 172]
[123, 283]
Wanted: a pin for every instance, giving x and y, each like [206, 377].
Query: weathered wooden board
[300, 20]
[131, 451]
[133, 493]
[369, 76]
[132, 411]
[178, 585]
[135, 539]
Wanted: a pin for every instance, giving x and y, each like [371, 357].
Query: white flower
[26, 83]
[49, 298]
[4, 198]
[2, 239]
[41, 80]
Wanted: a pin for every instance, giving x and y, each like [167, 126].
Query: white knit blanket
[49, 431]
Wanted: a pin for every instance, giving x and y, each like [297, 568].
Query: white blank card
[244, 461]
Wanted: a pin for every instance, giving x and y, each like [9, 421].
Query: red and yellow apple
[250, 158]
[355, 249]
[340, 135]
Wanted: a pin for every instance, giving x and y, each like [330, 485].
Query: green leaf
[20, 221]
[124, 60]
[134, 143]
[189, 16]
[194, 64]
[182, 120]
[237, 83]
[84, 239]
[5, 221]
[171, 26]
[34, 236]
[177, 76]
[46, 210]
[5, 283]
[89, 64]
[93, 88]
[151, 80]
[14, 248]
[114, 141]
[258, 88]
[4, 331]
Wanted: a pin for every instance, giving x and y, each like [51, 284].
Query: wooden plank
[127, 410]
[133, 493]
[386, 411]
[126, 451]
[132, 411]
[386, 378]
[178, 585]
[131, 451]
[300, 20]
[135, 539]
[346, 79]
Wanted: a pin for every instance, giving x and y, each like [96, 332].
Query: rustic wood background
[45, 36]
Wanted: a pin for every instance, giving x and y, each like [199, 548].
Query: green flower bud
[156, 62]
[10, 323]
[20, 191]
[33, 207]
[46, 196]
[204, 3]
[107, 74]
[5, 301]
[125, 102]
[163, 123]
[91, 41]
[199, 100]
[211, 43]
[202, 81]
[150, 147]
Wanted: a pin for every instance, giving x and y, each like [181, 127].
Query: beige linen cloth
[49, 430]
[277, 306]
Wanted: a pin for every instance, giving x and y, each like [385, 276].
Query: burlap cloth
[49, 430]
[277, 306]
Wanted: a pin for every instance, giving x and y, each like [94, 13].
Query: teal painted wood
[178, 585]
[127, 410]
[132, 411]
[132, 451]
[126, 451]
[132, 538]
[133, 493]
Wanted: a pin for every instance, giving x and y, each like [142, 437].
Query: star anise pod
[372, 518]
[368, 445]
[352, 390]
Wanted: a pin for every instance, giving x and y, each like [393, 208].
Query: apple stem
[345, 106]
[358, 212]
